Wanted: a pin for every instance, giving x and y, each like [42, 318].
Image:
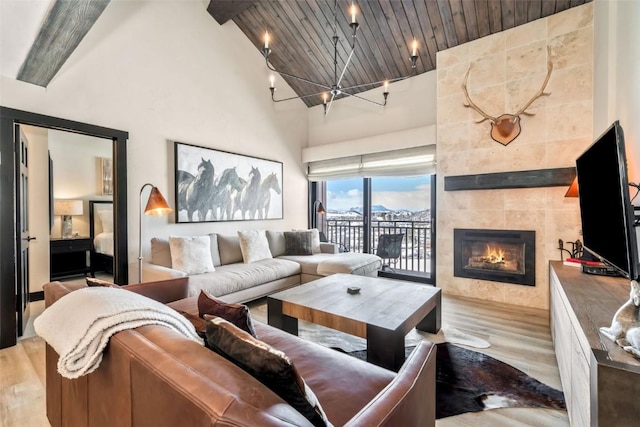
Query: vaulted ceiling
[301, 35]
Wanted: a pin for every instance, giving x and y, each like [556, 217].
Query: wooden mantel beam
[224, 10]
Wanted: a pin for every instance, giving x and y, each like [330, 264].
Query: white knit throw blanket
[78, 326]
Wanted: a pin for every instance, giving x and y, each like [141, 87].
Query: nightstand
[69, 257]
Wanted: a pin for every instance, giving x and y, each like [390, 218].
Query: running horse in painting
[264, 195]
[195, 192]
[227, 186]
[248, 199]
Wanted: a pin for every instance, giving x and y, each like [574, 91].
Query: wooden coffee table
[383, 312]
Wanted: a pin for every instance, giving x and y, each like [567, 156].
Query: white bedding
[103, 243]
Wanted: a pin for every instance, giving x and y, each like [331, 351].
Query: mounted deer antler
[506, 127]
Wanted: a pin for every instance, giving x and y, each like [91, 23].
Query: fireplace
[496, 255]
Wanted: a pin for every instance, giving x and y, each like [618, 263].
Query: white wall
[166, 71]
[617, 74]
[411, 104]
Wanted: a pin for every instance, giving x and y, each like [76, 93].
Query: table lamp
[66, 209]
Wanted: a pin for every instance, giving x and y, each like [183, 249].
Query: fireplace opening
[495, 255]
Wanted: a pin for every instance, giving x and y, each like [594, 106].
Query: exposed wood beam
[63, 29]
[224, 10]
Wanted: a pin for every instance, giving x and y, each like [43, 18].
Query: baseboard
[36, 296]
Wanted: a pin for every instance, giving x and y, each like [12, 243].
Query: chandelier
[335, 88]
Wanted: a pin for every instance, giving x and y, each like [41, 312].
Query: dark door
[22, 225]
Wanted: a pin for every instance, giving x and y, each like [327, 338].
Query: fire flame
[494, 255]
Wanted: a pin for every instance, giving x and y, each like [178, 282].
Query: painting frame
[213, 185]
[106, 176]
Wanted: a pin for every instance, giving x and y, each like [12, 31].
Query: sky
[410, 193]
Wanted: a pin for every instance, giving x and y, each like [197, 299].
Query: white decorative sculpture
[625, 326]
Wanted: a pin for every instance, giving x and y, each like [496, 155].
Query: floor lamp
[318, 209]
[156, 206]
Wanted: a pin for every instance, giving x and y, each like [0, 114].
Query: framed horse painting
[213, 185]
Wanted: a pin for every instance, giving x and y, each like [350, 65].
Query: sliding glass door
[360, 210]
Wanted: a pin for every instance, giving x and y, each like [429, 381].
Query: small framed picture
[106, 173]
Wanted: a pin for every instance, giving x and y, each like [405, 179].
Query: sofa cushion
[268, 365]
[298, 242]
[239, 276]
[237, 314]
[160, 252]
[215, 253]
[308, 263]
[229, 247]
[191, 254]
[276, 242]
[254, 245]
[350, 263]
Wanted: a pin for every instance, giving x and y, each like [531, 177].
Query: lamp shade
[157, 205]
[573, 189]
[320, 209]
[67, 207]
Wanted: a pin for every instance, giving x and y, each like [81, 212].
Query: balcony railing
[416, 245]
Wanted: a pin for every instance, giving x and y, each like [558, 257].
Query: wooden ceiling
[301, 33]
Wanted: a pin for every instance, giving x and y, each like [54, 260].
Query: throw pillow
[269, 366]
[315, 241]
[229, 247]
[160, 252]
[191, 255]
[198, 323]
[92, 281]
[106, 219]
[254, 245]
[298, 242]
[238, 314]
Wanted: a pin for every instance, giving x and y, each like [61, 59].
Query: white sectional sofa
[238, 281]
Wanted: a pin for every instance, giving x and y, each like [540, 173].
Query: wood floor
[518, 336]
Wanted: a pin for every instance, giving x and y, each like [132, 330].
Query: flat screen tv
[605, 206]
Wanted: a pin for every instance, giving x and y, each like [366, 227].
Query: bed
[101, 233]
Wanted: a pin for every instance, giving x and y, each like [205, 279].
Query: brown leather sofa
[153, 376]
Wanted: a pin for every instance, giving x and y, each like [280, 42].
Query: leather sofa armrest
[53, 291]
[410, 399]
[164, 291]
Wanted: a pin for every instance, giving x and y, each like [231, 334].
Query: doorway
[11, 222]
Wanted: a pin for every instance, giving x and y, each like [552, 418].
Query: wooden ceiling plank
[534, 10]
[459, 20]
[520, 14]
[471, 18]
[224, 10]
[427, 30]
[508, 14]
[424, 62]
[495, 16]
[482, 17]
[384, 33]
[575, 3]
[378, 41]
[444, 7]
[562, 5]
[63, 29]
[401, 30]
[436, 24]
[548, 8]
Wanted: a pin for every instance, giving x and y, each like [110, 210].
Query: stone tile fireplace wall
[507, 70]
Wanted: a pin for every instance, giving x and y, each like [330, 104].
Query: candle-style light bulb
[386, 86]
[272, 80]
[324, 98]
[353, 13]
[415, 47]
[266, 39]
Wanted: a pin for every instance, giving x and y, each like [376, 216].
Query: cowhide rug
[469, 381]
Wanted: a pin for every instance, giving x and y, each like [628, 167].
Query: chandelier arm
[365, 99]
[296, 97]
[397, 79]
[344, 70]
[297, 77]
[328, 106]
